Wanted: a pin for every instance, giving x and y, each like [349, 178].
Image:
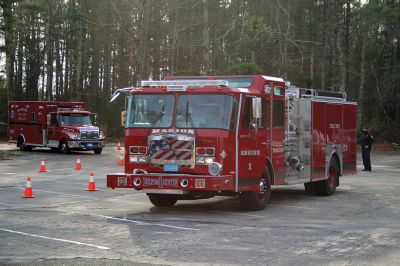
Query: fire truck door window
[247, 122]
[54, 119]
[267, 112]
[278, 114]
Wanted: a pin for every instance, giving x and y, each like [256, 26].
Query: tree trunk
[49, 52]
[9, 47]
[362, 75]
[206, 39]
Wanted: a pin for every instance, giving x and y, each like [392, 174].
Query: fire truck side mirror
[48, 119]
[123, 118]
[95, 121]
[256, 108]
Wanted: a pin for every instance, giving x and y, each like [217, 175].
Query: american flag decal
[171, 150]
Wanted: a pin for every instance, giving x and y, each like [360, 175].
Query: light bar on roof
[183, 83]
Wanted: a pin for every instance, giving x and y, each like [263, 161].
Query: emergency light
[183, 83]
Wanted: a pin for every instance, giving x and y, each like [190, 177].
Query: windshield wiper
[161, 113]
[188, 116]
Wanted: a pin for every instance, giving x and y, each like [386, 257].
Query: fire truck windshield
[75, 119]
[192, 111]
[206, 111]
[154, 111]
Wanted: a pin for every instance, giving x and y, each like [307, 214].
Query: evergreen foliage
[85, 49]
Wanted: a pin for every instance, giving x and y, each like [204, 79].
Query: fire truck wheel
[257, 200]
[97, 150]
[328, 187]
[64, 147]
[161, 200]
[310, 188]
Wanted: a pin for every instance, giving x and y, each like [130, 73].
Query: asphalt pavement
[66, 225]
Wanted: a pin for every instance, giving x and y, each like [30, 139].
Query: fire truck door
[252, 146]
[53, 131]
[278, 133]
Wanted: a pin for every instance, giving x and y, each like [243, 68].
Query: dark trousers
[366, 159]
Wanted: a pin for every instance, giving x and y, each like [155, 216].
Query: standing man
[366, 143]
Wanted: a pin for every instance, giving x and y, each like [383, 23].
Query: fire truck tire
[257, 200]
[161, 200]
[64, 147]
[310, 188]
[328, 187]
[97, 150]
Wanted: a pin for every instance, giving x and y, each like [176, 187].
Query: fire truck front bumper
[179, 183]
[85, 144]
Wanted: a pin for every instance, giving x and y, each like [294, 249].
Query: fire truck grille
[89, 135]
[171, 151]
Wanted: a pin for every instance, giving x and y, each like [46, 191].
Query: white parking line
[55, 239]
[33, 206]
[63, 194]
[130, 221]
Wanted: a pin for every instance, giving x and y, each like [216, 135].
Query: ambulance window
[32, 116]
[278, 114]
[278, 91]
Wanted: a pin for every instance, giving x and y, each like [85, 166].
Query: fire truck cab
[62, 126]
[199, 137]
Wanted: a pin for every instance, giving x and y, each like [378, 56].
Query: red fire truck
[199, 137]
[60, 126]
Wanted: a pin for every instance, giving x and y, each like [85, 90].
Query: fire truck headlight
[142, 159]
[73, 135]
[137, 159]
[101, 135]
[209, 160]
[214, 168]
[133, 159]
[204, 160]
[200, 160]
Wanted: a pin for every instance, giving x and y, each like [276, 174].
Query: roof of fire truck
[227, 84]
[256, 84]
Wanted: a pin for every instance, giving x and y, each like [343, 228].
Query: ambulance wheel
[97, 150]
[64, 147]
[328, 187]
[161, 200]
[257, 200]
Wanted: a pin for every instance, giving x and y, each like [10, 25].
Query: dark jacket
[366, 140]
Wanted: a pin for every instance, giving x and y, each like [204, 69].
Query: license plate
[171, 167]
[89, 145]
[160, 182]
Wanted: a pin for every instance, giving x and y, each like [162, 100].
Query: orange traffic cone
[119, 146]
[121, 159]
[42, 166]
[78, 165]
[92, 184]
[28, 189]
